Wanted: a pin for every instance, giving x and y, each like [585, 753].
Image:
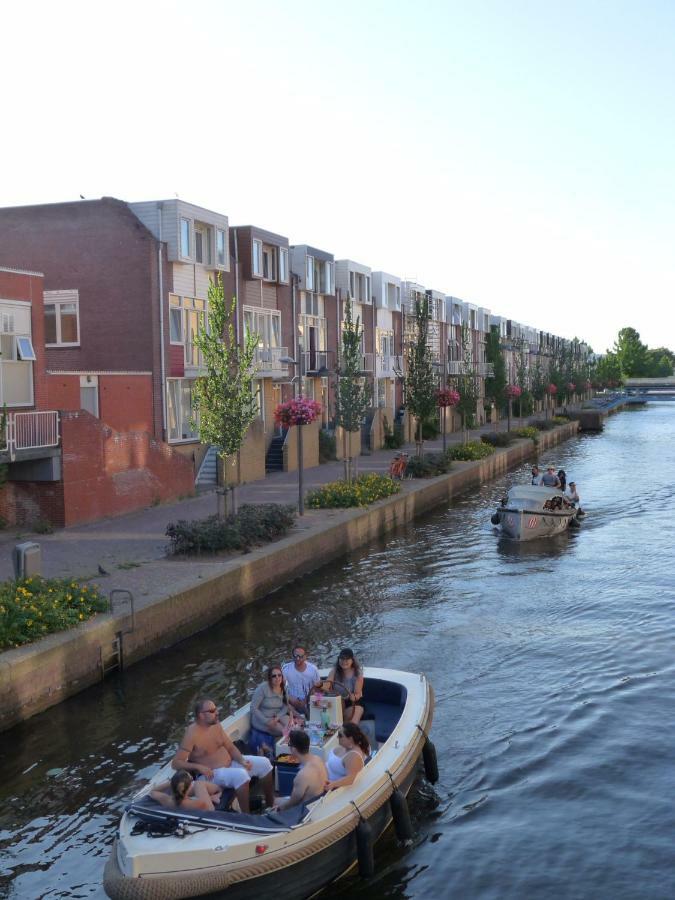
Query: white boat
[531, 511]
[290, 854]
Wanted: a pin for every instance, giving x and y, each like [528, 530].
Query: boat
[294, 853]
[534, 511]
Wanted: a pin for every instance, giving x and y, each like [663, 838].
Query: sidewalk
[132, 548]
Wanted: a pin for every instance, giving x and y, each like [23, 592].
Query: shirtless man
[206, 750]
[312, 776]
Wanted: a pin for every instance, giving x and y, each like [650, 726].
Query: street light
[289, 361]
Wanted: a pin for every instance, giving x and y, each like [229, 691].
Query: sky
[516, 155]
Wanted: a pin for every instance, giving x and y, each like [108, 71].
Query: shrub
[529, 431]
[393, 439]
[252, 524]
[33, 607]
[498, 438]
[361, 491]
[428, 465]
[326, 446]
[560, 420]
[430, 430]
[472, 451]
[543, 424]
[42, 526]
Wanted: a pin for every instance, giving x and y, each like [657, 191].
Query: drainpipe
[162, 365]
[294, 281]
[236, 284]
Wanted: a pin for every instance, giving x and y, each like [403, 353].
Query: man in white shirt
[571, 494]
[301, 678]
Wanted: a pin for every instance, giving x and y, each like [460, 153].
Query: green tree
[608, 369]
[495, 387]
[467, 384]
[420, 380]
[353, 396]
[659, 363]
[224, 400]
[631, 353]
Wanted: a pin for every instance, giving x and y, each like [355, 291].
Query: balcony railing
[268, 361]
[459, 367]
[30, 431]
[388, 366]
[315, 362]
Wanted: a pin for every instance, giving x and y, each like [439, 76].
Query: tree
[353, 396]
[608, 370]
[467, 384]
[631, 354]
[495, 387]
[420, 380]
[223, 399]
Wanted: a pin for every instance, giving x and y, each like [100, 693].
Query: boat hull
[528, 525]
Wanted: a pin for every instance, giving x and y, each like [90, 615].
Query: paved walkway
[131, 549]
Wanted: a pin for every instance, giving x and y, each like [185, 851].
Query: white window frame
[309, 273]
[57, 302]
[283, 265]
[27, 353]
[256, 258]
[222, 263]
[269, 252]
[193, 436]
[188, 222]
[204, 232]
[187, 306]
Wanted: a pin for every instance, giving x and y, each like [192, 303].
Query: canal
[553, 667]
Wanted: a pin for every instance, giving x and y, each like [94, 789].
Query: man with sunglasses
[207, 751]
[302, 677]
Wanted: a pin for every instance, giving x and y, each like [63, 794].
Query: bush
[471, 451]
[428, 465]
[33, 607]
[529, 431]
[253, 524]
[543, 424]
[430, 430]
[326, 446]
[393, 439]
[362, 491]
[560, 420]
[498, 438]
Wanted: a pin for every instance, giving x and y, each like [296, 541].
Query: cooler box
[286, 773]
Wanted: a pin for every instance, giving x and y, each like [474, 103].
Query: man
[549, 478]
[301, 678]
[536, 475]
[207, 751]
[571, 494]
[310, 780]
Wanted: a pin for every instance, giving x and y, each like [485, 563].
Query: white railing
[268, 359]
[459, 367]
[388, 366]
[312, 361]
[30, 431]
[367, 362]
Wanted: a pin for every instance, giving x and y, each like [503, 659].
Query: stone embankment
[37, 676]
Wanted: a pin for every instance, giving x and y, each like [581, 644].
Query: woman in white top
[345, 763]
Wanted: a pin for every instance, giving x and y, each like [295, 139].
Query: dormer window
[269, 263]
[202, 244]
[257, 258]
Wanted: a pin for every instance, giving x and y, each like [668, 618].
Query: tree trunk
[301, 489]
[445, 437]
[345, 456]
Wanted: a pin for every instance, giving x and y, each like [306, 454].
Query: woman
[347, 678]
[345, 763]
[183, 792]
[562, 478]
[270, 712]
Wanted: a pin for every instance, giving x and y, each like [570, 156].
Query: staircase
[274, 460]
[207, 477]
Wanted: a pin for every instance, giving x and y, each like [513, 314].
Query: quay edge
[40, 675]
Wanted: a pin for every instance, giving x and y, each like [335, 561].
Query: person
[347, 678]
[572, 496]
[345, 763]
[183, 792]
[562, 478]
[549, 478]
[301, 678]
[270, 711]
[313, 775]
[207, 750]
[536, 475]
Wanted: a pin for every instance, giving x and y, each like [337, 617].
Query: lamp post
[298, 412]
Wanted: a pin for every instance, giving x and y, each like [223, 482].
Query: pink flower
[571, 387]
[300, 411]
[447, 397]
[551, 389]
[513, 391]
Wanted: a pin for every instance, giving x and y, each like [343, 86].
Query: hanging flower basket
[300, 411]
[552, 390]
[513, 391]
[446, 397]
[571, 387]
[589, 385]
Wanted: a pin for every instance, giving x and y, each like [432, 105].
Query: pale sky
[518, 155]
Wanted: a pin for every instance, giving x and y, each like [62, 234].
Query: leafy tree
[420, 380]
[224, 400]
[495, 387]
[631, 354]
[659, 363]
[467, 384]
[608, 369]
[353, 396]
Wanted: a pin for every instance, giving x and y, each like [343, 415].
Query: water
[553, 669]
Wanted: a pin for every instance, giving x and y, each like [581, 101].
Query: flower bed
[253, 524]
[361, 491]
[472, 451]
[528, 431]
[33, 607]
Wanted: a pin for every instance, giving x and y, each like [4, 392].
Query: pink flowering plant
[552, 390]
[571, 387]
[513, 391]
[299, 411]
[447, 397]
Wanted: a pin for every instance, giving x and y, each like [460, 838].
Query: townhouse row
[99, 305]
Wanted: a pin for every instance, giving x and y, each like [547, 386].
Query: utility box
[27, 558]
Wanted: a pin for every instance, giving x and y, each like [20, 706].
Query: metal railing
[268, 359]
[388, 366]
[459, 367]
[30, 431]
[314, 361]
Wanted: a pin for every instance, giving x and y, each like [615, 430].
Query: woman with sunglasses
[347, 679]
[270, 712]
[183, 792]
[345, 763]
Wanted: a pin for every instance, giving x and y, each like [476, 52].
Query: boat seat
[384, 702]
[148, 810]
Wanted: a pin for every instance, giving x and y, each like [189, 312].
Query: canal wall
[40, 675]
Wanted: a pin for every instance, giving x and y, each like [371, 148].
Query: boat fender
[495, 518]
[364, 849]
[430, 761]
[574, 523]
[401, 816]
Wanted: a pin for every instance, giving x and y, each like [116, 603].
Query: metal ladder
[113, 659]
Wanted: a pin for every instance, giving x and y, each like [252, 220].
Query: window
[257, 257]
[221, 248]
[266, 323]
[180, 411]
[283, 266]
[269, 256]
[175, 320]
[326, 278]
[185, 237]
[187, 317]
[89, 394]
[62, 320]
[203, 244]
[352, 292]
[25, 350]
[309, 275]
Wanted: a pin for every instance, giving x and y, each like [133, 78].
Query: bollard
[27, 559]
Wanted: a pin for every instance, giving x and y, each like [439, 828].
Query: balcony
[268, 362]
[316, 363]
[27, 434]
[388, 366]
[459, 367]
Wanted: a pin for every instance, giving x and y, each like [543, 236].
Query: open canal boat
[533, 511]
[290, 854]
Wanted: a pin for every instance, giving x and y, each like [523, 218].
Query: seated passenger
[312, 777]
[347, 679]
[300, 677]
[571, 493]
[536, 475]
[345, 763]
[270, 711]
[549, 478]
[183, 792]
[562, 478]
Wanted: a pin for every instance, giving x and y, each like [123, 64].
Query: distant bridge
[655, 388]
